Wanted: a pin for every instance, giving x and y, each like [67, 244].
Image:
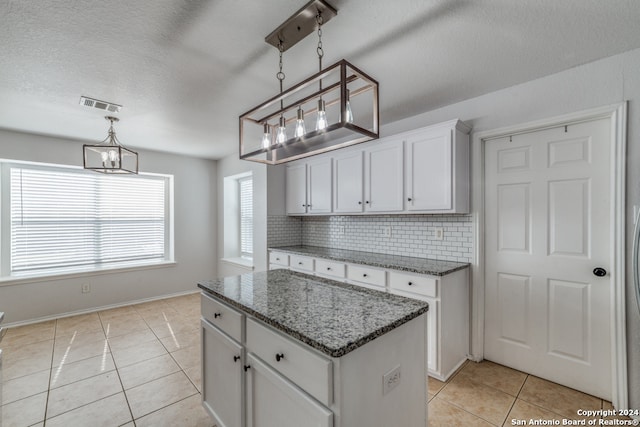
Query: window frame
[94, 269]
[244, 254]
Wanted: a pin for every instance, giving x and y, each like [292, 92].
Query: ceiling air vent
[100, 105]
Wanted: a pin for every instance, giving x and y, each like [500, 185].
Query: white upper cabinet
[348, 182]
[421, 171]
[309, 187]
[383, 177]
[296, 192]
[437, 168]
[319, 186]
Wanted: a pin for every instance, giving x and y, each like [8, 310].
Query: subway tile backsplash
[408, 235]
[284, 230]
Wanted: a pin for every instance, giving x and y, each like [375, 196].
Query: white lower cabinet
[221, 376]
[271, 380]
[273, 401]
[448, 316]
[448, 298]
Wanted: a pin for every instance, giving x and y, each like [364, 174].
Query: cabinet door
[296, 191]
[221, 376]
[348, 174]
[384, 177]
[273, 401]
[429, 173]
[319, 186]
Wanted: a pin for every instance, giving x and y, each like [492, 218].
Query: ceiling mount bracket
[301, 24]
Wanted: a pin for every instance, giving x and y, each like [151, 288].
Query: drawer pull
[360, 202]
[216, 315]
[409, 199]
[277, 259]
[247, 367]
[236, 358]
[410, 283]
[367, 202]
[364, 275]
[279, 357]
[328, 268]
[300, 263]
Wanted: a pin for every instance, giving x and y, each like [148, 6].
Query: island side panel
[358, 380]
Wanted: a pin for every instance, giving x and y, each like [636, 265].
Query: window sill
[242, 262]
[46, 277]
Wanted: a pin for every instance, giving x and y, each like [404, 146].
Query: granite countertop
[395, 262]
[332, 317]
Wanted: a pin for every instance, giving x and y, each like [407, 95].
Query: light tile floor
[132, 366]
[140, 366]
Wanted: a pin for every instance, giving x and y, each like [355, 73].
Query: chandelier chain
[280, 74]
[319, 49]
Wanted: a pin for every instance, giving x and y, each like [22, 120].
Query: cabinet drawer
[223, 316]
[301, 263]
[279, 258]
[330, 268]
[367, 275]
[416, 284]
[306, 369]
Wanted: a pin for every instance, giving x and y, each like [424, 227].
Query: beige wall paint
[195, 231]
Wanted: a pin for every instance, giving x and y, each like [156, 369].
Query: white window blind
[246, 216]
[65, 219]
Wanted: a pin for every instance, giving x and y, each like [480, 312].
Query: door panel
[514, 211]
[513, 296]
[569, 319]
[547, 226]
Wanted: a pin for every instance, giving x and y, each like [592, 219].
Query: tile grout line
[126, 398]
[53, 349]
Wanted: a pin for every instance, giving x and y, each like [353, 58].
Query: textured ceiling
[186, 69]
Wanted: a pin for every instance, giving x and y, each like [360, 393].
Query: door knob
[599, 271]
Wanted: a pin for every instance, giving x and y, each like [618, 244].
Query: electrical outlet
[391, 380]
[86, 288]
[386, 231]
[341, 230]
[438, 234]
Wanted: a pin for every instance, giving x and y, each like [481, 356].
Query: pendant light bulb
[321, 122]
[281, 135]
[300, 130]
[348, 112]
[266, 137]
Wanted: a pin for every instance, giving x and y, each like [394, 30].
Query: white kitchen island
[282, 348]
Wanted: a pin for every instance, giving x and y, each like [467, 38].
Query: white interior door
[548, 207]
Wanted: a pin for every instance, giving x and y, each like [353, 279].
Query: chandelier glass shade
[110, 156]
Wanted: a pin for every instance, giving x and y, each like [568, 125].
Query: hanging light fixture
[329, 97]
[110, 156]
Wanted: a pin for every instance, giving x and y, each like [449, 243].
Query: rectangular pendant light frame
[335, 85]
[127, 162]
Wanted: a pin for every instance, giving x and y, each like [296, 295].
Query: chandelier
[341, 101]
[110, 156]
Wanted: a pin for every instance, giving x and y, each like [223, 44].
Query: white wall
[195, 234]
[229, 166]
[605, 82]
